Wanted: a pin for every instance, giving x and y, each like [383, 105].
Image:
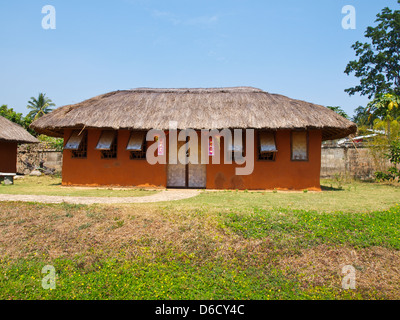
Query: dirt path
[166, 195]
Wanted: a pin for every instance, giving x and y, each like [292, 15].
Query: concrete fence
[357, 162]
[31, 157]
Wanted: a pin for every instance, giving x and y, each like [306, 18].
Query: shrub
[394, 157]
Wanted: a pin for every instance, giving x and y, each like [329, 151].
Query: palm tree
[384, 106]
[40, 106]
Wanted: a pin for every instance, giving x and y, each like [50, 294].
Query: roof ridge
[240, 89]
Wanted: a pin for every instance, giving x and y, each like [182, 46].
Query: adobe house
[105, 138]
[11, 134]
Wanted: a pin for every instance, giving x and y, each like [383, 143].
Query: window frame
[307, 146]
[241, 154]
[273, 153]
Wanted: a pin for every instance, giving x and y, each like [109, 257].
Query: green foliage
[394, 155]
[378, 64]
[39, 107]
[386, 107]
[362, 118]
[384, 176]
[394, 158]
[381, 125]
[51, 142]
[339, 111]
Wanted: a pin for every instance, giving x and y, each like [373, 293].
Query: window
[77, 143]
[137, 145]
[266, 146]
[299, 145]
[107, 144]
[237, 147]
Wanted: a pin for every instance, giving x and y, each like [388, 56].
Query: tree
[362, 118]
[385, 106]
[339, 111]
[39, 107]
[378, 64]
[11, 115]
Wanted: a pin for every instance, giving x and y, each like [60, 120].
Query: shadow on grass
[330, 188]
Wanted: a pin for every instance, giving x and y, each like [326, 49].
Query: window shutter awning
[106, 140]
[136, 141]
[74, 141]
[267, 142]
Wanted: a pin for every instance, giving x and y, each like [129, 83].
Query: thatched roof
[12, 132]
[216, 108]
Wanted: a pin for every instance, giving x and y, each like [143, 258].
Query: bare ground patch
[377, 268]
[68, 230]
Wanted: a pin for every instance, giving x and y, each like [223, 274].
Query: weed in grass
[84, 226]
[338, 177]
[118, 223]
[21, 221]
[95, 214]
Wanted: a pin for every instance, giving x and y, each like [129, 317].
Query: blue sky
[291, 47]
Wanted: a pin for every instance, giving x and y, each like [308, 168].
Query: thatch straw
[12, 132]
[216, 108]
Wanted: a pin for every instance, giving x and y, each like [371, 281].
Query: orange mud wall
[8, 157]
[283, 173]
[121, 171]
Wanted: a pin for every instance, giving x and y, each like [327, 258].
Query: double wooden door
[186, 175]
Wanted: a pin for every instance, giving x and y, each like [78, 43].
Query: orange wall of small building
[8, 157]
[121, 171]
[281, 173]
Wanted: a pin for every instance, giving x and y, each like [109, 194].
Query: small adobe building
[11, 134]
[105, 138]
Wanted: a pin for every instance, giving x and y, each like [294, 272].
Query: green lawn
[352, 197]
[218, 245]
[51, 186]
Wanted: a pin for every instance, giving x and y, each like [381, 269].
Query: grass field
[218, 245]
[51, 186]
